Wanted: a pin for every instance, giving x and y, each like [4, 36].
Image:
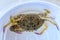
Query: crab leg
[47, 17]
[46, 11]
[4, 29]
[11, 21]
[20, 31]
[45, 27]
[50, 17]
[19, 18]
[51, 21]
[54, 23]
[6, 26]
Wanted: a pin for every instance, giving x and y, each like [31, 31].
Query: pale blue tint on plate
[50, 34]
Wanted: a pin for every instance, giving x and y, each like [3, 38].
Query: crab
[30, 22]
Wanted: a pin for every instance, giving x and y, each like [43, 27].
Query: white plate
[50, 34]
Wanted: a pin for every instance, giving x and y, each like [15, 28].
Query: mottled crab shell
[29, 22]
